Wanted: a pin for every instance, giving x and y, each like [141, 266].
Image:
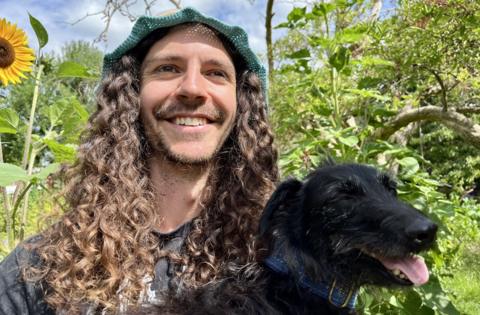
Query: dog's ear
[283, 195]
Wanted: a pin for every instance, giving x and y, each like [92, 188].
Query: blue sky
[58, 15]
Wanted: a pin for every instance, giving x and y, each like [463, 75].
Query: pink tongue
[413, 267]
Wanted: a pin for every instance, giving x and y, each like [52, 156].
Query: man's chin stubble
[160, 149]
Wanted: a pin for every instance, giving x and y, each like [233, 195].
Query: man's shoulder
[24, 254]
[16, 295]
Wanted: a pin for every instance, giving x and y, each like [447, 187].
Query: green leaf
[368, 94]
[54, 112]
[8, 121]
[409, 166]
[300, 54]
[435, 297]
[296, 14]
[349, 141]
[69, 114]
[320, 41]
[322, 9]
[282, 25]
[426, 310]
[369, 82]
[10, 173]
[412, 303]
[369, 61]
[70, 69]
[393, 301]
[40, 31]
[74, 121]
[351, 35]
[44, 172]
[340, 58]
[62, 152]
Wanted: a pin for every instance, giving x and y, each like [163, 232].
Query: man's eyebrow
[219, 63]
[167, 58]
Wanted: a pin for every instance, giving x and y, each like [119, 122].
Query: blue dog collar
[337, 295]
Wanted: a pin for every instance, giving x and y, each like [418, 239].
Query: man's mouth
[189, 121]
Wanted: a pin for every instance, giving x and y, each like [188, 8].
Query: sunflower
[15, 56]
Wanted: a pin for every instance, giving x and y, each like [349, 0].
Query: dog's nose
[421, 232]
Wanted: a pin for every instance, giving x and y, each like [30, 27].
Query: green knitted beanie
[146, 24]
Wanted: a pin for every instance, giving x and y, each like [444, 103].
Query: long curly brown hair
[103, 247]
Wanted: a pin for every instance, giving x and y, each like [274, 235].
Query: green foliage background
[340, 78]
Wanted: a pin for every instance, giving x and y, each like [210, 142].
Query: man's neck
[178, 190]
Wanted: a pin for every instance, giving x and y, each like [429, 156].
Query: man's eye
[166, 68]
[218, 73]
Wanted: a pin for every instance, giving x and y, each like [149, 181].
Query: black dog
[340, 229]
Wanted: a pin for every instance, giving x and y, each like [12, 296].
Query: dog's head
[348, 221]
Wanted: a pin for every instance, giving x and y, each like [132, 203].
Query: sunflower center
[7, 53]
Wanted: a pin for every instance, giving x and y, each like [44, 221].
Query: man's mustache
[169, 111]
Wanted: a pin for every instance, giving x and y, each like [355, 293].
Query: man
[172, 175]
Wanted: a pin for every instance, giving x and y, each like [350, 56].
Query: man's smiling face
[188, 95]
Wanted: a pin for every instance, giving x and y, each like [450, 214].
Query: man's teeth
[190, 121]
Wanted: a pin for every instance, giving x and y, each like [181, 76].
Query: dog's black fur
[331, 225]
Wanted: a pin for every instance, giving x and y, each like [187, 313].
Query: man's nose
[192, 88]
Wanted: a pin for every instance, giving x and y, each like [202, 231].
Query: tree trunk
[268, 37]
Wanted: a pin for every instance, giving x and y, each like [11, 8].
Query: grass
[466, 281]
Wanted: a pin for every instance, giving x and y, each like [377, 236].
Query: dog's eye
[390, 184]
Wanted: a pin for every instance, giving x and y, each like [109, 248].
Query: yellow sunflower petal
[3, 78]
[2, 27]
[7, 74]
[14, 31]
[23, 66]
[25, 57]
[23, 49]
[19, 73]
[8, 30]
[18, 36]
[17, 41]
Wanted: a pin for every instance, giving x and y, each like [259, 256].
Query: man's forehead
[166, 47]
[191, 31]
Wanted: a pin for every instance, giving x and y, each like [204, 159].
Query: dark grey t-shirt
[164, 271]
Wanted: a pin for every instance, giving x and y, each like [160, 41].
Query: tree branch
[442, 86]
[468, 110]
[460, 124]
[377, 8]
[176, 3]
[123, 8]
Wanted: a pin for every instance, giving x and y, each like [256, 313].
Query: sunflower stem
[28, 136]
[26, 197]
[8, 208]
